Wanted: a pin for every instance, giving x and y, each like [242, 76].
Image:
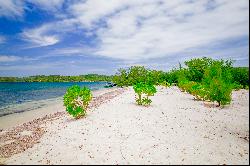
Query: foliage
[156, 77]
[197, 67]
[217, 82]
[172, 76]
[182, 76]
[77, 100]
[205, 78]
[131, 76]
[145, 89]
[165, 83]
[241, 77]
[121, 78]
[137, 74]
[237, 86]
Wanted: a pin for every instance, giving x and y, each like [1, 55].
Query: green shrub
[197, 67]
[121, 78]
[172, 76]
[143, 91]
[76, 100]
[137, 74]
[241, 77]
[217, 83]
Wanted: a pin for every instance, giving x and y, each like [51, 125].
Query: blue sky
[72, 37]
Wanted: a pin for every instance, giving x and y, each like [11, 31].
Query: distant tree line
[58, 78]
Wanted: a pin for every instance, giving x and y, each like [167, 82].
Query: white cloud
[5, 58]
[133, 30]
[39, 37]
[11, 8]
[49, 33]
[91, 11]
[16, 8]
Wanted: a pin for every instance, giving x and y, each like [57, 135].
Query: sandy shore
[175, 129]
[55, 105]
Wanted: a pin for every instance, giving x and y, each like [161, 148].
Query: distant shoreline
[58, 78]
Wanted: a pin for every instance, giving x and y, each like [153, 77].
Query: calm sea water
[13, 96]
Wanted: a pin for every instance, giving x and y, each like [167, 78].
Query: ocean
[24, 96]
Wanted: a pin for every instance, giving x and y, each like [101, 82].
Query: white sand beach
[175, 129]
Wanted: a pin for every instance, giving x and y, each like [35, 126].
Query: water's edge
[35, 95]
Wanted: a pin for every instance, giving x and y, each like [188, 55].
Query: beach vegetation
[205, 78]
[240, 77]
[76, 100]
[218, 82]
[143, 91]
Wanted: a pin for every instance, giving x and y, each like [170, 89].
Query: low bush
[76, 100]
[143, 91]
[218, 85]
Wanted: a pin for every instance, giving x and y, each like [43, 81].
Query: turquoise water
[17, 93]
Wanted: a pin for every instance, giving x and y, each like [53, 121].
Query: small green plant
[76, 100]
[143, 91]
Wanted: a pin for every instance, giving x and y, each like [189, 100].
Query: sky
[73, 37]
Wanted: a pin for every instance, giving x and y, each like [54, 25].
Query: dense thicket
[205, 78]
[57, 78]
